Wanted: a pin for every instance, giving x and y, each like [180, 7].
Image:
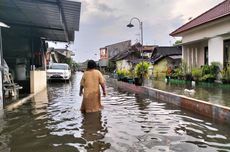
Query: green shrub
[210, 71]
[122, 73]
[141, 69]
[196, 73]
[226, 75]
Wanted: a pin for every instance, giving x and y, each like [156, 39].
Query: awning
[55, 20]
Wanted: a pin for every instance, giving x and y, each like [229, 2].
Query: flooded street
[52, 122]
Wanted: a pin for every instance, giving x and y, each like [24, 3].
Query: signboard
[103, 53]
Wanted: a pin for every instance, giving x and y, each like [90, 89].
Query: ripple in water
[52, 122]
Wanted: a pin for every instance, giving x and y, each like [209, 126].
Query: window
[226, 53]
[206, 55]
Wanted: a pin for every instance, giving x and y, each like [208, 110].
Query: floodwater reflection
[52, 122]
[93, 131]
[208, 92]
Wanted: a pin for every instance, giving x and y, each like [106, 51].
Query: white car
[59, 71]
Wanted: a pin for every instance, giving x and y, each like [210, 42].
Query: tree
[177, 42]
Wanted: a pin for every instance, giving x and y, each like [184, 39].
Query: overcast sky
[103, 22]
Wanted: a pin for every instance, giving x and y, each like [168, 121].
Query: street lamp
[130, 25]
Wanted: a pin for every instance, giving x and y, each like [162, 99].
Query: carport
[32, 23]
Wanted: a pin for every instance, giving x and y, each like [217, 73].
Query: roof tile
[219, 11]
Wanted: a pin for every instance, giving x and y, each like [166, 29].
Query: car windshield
[59, 66]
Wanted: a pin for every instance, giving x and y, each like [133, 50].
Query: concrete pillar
[196, 57]
[216, 50]
[184, 53]
[192, 57]
[188, 56]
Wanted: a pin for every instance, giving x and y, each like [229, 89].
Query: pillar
[1, 87]
[216, 50]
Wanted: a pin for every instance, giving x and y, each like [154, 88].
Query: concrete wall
[160, 69]
[38, 81]
[123, 65]
[210, 30]
[212, 111]
[114, 49]
[103, 62]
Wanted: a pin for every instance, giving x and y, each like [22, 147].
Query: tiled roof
[165, 51]
[217, 12]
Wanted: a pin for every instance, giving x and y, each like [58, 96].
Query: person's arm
[82, 85]
[102, 83]
[81, 90]
[103, 89]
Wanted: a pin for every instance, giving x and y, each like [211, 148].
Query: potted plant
[141, 72]
[209, 73]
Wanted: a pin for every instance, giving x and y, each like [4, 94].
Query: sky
[103, 22]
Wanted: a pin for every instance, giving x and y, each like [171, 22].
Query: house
[24, 43]
[110, 51]
[148, 50]
[164, 57]
[206, 38]
[126, 59]
[58, 55]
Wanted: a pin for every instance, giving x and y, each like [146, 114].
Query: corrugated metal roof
[53, 19]
[219, 11]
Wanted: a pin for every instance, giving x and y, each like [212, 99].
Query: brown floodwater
[210, 92]
[52, 122]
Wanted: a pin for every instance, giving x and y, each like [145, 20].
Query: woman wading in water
[91, 81]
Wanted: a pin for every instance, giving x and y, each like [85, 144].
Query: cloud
[103, 22]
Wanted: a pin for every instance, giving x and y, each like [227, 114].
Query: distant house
[206, 38]
[110, 51]
[126, 59]
[58, 55]
[148, 50]
[164, 57]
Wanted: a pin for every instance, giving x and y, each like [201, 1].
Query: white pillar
[188, 55]
[196, 57]
[216, 50]
[192, 57]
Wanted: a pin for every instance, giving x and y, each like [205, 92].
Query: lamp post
[130, 25]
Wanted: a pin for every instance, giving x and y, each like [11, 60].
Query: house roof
[165, 51]
[122, 55]
[54, 20]
[219, 11]
[128, 41]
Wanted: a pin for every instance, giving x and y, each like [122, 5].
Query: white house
[206, 38]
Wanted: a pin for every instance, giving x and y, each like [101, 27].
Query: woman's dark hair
[91, 64]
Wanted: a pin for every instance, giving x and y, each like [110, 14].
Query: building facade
[112, 50]
[206, 39]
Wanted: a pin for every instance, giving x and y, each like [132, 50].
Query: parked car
[60, 71]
